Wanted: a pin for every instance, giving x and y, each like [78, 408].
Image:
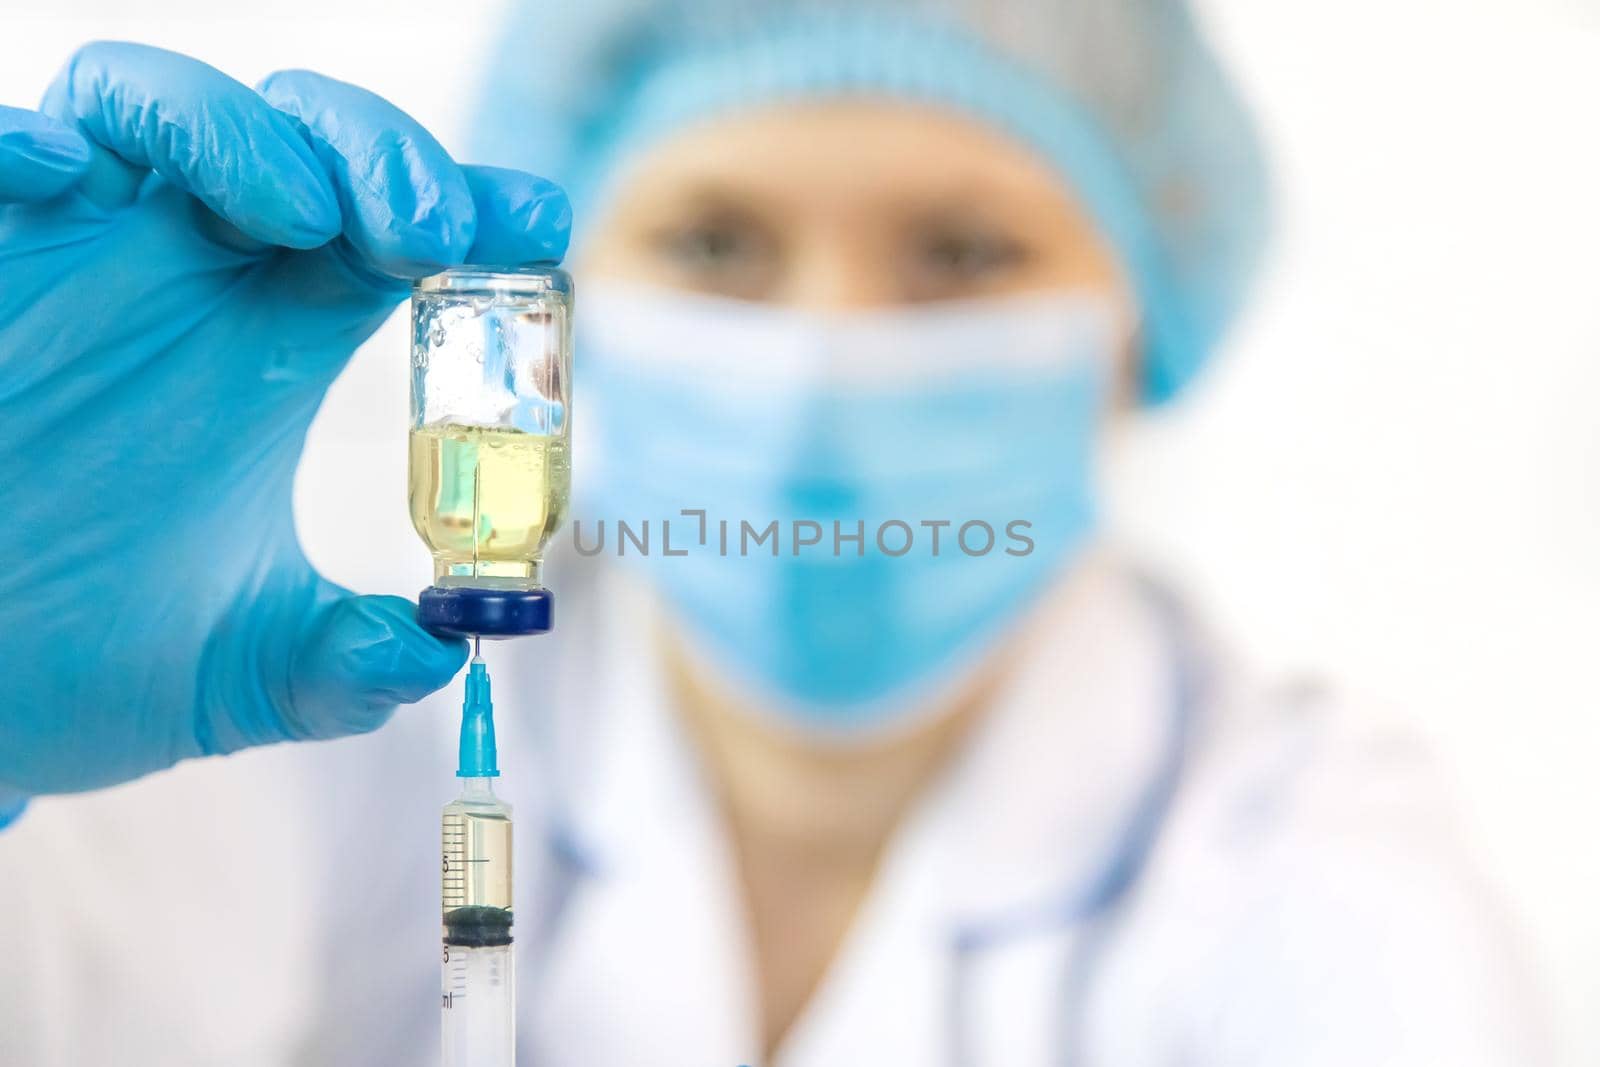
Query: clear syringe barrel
[479, 990]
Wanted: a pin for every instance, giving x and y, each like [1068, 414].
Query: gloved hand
[185, 266]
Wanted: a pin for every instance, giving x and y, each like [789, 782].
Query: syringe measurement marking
[458, 983]
[454, 879]
[453, 888]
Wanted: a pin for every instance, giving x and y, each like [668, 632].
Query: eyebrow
[716, 197]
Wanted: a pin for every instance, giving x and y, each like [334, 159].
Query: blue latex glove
[185, 266]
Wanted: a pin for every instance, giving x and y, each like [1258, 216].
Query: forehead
[806, 154]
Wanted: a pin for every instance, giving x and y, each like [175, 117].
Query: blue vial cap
[476, 757]
[465, 611]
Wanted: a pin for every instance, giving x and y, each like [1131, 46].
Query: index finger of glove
[203, 131]
[408, 209]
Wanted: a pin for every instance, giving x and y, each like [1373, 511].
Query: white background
[1393, 477]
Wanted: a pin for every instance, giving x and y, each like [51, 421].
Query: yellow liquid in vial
[486, 501]
[477, 857]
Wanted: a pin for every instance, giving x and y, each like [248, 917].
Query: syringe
[479, 982]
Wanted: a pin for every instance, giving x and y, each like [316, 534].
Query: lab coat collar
[1032, 818]
[1035, 822]
[980, 897]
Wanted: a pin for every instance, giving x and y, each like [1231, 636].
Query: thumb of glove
[359, 658]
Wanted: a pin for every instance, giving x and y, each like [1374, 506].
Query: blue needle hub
[477, 754]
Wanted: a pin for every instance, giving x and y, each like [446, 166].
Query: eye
[970, 254]
[946, 259]
[716, 245]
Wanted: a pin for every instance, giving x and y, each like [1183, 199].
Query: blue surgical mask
[928, 472]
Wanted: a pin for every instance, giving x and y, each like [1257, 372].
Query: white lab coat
[1141, 860]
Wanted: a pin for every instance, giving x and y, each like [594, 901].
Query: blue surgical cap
[1123, 97]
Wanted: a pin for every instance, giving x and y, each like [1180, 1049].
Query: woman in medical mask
[896, 764]
[876, 755]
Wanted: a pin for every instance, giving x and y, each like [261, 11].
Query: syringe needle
[476, 639]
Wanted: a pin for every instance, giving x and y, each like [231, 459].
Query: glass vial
[490, 467]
